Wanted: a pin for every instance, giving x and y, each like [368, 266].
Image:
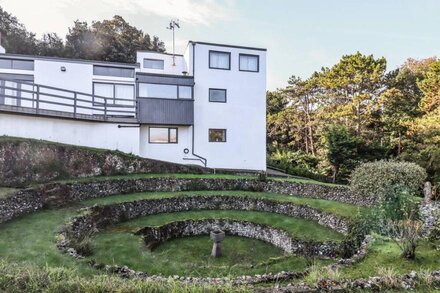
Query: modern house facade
[204, 107]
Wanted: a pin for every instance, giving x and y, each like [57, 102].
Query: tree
[109, 40]
[304, 98]
[15, 37]
[400, 101]
[51, 45]
[275, 102]
[351, 87]
[341, 148]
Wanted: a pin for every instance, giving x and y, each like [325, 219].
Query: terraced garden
[105, 244]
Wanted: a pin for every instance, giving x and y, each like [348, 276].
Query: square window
[217, 135]
[249, 62]
[219, 60]
[185, 92]
[154, 64]
[217, 95]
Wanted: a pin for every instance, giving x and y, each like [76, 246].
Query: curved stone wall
[111, 214]
[153, 236]
[61, 194]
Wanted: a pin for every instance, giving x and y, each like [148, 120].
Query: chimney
[2, 50]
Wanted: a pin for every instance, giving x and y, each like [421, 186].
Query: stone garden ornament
[217, 237]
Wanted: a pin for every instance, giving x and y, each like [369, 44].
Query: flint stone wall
[153, 236]
[62, 194]
[111, 214]
[20, 203]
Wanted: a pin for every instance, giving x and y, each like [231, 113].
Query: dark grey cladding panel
[165, 111]
[163, 79]
[12, 76]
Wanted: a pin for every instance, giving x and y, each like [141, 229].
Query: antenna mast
[174, 23]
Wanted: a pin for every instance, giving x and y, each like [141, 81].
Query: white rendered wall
[243, 115]
[168, 63]
[172, 152]
[91, 134]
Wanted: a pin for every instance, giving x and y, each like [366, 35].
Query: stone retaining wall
[61, 194]
[111, 214]
[20, 203]
[153, 236]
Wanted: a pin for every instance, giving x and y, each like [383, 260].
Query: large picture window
[154, 64]
[150, 90]
[162, 135]
[249, 62]
[217, 135]
[165, 91]
[217, 95]
[118, 94]
[219, 60]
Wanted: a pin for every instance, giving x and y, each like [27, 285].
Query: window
[220, 60]
[118, 94]
[217, 95]
[154, 64]
[217, 135]
[150, 90]
[162, 135]
[17, 64]
[113, 71]
[249, 63]
[185, 92]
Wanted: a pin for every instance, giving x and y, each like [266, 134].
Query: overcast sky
[301, 35]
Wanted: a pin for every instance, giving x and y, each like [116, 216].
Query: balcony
[165, 111]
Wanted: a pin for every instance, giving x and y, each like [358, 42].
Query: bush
[375, 178]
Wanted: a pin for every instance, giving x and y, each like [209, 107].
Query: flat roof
[71, 60]
[228, 46]
[155, 52]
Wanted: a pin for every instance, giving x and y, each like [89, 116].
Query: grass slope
[6, 191]
[192, 176]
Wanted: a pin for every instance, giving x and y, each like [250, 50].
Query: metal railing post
[105, 108]
[37, 103]
[74, 105]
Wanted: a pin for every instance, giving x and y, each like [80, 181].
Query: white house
[206, 107]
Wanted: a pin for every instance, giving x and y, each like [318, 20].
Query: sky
[301, 36]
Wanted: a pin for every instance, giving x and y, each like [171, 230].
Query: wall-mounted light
[63, 68]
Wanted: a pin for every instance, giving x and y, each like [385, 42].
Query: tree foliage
[107, 40]
[392, 115]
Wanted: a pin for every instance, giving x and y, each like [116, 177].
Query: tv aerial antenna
[174, 23]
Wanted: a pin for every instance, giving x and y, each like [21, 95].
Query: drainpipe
[199, 158]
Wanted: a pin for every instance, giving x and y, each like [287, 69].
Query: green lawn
[5, 191]
[341, 209]
[31, 238]
[191, 256]
[386, 255]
